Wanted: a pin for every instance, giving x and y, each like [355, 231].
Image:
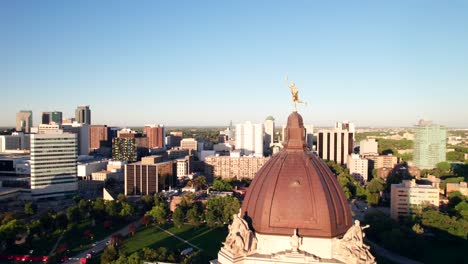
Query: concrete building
[177, 153]
[174, 139]
[182, 167]
[409, 196]
[155, 135]
[100, 136]
[84, 170]
[15, 170]
[309, 136]
[24, 121]
[10, 142]
[461, 187]
[129, 146]
[249, 139]
[147, 179]
[269, 137]
[82, 132]
[336, 144]
[83, 115]
[53, 164]
[368, 147]
[429, 144]
[233, 167]
[190, 144]
[358, 167]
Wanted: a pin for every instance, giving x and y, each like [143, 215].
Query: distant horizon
[376, 63]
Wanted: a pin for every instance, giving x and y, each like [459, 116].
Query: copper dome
[295, 189]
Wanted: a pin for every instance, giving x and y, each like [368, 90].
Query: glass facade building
[429, 145]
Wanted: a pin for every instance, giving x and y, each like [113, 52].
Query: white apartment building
[408, 195]
[269, 137]
[53, 164]
[368, 147]
[358, 167]
[182, 167]
[336, 144]
[249, 139]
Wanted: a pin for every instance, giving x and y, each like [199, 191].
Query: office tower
[24, 121]
[368, 147]
[309, 130]
[358, 167]
[148, 177]
[100, 136]
[249, 139]
[429, 144]
[269, 132]
[336, 144]
[53, 164]
[83, 115]
[407, 196]
[45, 118]
[155, 135]
[56, 117]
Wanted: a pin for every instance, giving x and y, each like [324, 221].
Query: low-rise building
[409, 196]
[86, 169]
[457, 187]
[144, 178]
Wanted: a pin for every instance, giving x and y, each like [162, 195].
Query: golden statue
[295, 94]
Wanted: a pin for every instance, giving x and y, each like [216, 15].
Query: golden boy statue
[295, 94]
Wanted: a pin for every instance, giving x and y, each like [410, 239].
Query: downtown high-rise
[24, 121]
[429, 144]
[83, 115]
[53, 164]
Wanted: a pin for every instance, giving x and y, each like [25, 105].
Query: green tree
[443, 166]
[84, 207]
[149, 254]
[200, 182]
[112, 208]
[109, 255]
[148, 202]
[158, 213]
[30, 208]
[61, 221]
[127, 209]
[178, 217]
[134, 258]
[193, 215]
[73, 214]
[10, 230]
[221, 185]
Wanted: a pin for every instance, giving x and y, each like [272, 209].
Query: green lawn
[77, 242]
[204, 237]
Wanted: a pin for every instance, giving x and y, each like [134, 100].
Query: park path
[101, 245]
[178, 237]
[390, 255]
[56, 244]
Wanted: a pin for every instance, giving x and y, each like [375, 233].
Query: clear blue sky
[375, 63]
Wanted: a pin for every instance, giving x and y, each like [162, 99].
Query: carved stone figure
[352, 248]
[240, 240]
[295, 241]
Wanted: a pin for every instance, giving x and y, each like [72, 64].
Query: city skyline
[379, 64]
